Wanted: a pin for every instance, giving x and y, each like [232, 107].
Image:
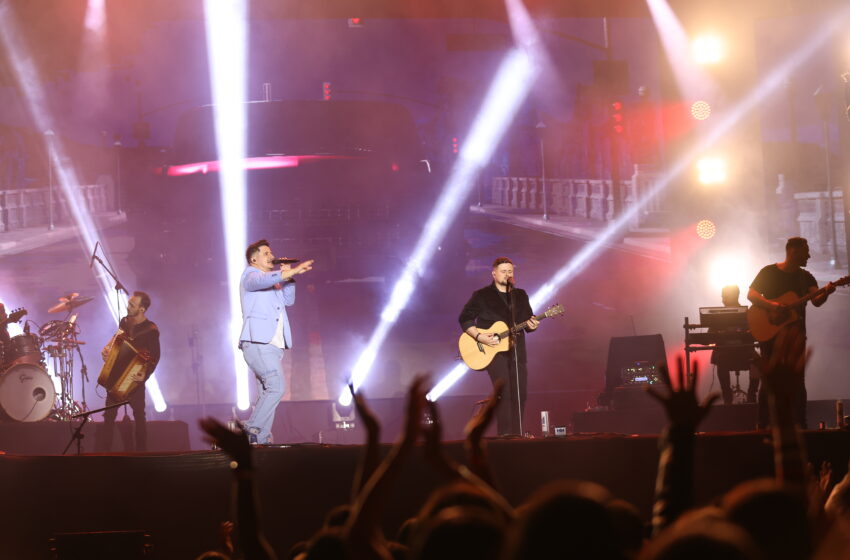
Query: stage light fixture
[226, 28]
[836, 23]
[706, 229]
[729, 269]
[96, 16]
[707, 49]
[616, 117]
[700, 110]
[510, 87]
[711, 170]
[692, 80]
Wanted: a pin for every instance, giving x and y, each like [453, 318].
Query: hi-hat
[72, 301]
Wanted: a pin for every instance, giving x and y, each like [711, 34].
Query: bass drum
[26, 393]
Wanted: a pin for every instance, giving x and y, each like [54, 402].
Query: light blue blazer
[263, 306]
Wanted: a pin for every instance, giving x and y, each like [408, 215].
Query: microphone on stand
[93, 254]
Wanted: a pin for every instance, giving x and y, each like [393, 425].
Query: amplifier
[639, 373]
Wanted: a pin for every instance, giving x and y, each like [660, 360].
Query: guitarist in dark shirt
[485, 307]
[772, 282]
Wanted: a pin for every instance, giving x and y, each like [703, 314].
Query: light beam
[226, 28]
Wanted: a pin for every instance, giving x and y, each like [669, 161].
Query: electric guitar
[766, 323]
[477, 355]
[13, 317]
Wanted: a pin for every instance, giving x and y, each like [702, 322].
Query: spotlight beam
[226, 28]
[509, 89]
[591, 251]
[693, 82]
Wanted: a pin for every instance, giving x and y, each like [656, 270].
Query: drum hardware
[27, 391]
[78, 432]
[69, 303]
[63, 335]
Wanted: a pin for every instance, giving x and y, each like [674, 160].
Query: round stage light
[700, 110]
[706, 229]
[707, 49]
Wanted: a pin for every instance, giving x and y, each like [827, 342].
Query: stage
[180, 498]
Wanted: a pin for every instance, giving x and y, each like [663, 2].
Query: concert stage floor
[180, 498]
[50, 437]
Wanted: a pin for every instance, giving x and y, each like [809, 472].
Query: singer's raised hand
[288, 271]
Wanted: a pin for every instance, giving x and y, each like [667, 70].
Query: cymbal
[68, 303]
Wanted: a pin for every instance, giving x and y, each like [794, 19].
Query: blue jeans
[265, 362]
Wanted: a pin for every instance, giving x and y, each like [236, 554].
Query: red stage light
[616, 115]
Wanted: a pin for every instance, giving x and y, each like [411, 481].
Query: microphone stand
[512, 336]
[119, 287]
[84, 373]
[78, 433]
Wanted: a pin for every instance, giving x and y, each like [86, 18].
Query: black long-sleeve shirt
[488, 305]
[144, 336]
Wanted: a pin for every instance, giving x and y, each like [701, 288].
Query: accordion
[124, 368]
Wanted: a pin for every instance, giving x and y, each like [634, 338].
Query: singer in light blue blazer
[265, 292]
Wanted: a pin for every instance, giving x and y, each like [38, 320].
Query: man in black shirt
[144, 336]
[485, 307]
[774, 281]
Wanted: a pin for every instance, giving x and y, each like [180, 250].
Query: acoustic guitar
[766, 323]
[477, 355]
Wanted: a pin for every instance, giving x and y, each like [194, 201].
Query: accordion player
[125, 366]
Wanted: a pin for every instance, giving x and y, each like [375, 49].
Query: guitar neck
[522, 325]
[807, 297]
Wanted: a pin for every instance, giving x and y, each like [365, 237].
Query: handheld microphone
[285, 261]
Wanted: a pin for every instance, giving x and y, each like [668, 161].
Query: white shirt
[277, 339]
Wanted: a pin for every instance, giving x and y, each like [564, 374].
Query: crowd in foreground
[797, 514]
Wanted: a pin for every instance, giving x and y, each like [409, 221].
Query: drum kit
[27, 392]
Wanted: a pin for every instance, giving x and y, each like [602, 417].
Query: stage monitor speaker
[101, 545]
[625, 351]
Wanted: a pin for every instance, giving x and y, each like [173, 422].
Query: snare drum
[26, 393]
[24, 349]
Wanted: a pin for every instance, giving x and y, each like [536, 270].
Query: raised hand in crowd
[435, 454]
[475, 429]
[250, 540]
[782, 375]
[680, 402]
[838, 502]
[371, 457]
[674, 483]
[363, 531]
